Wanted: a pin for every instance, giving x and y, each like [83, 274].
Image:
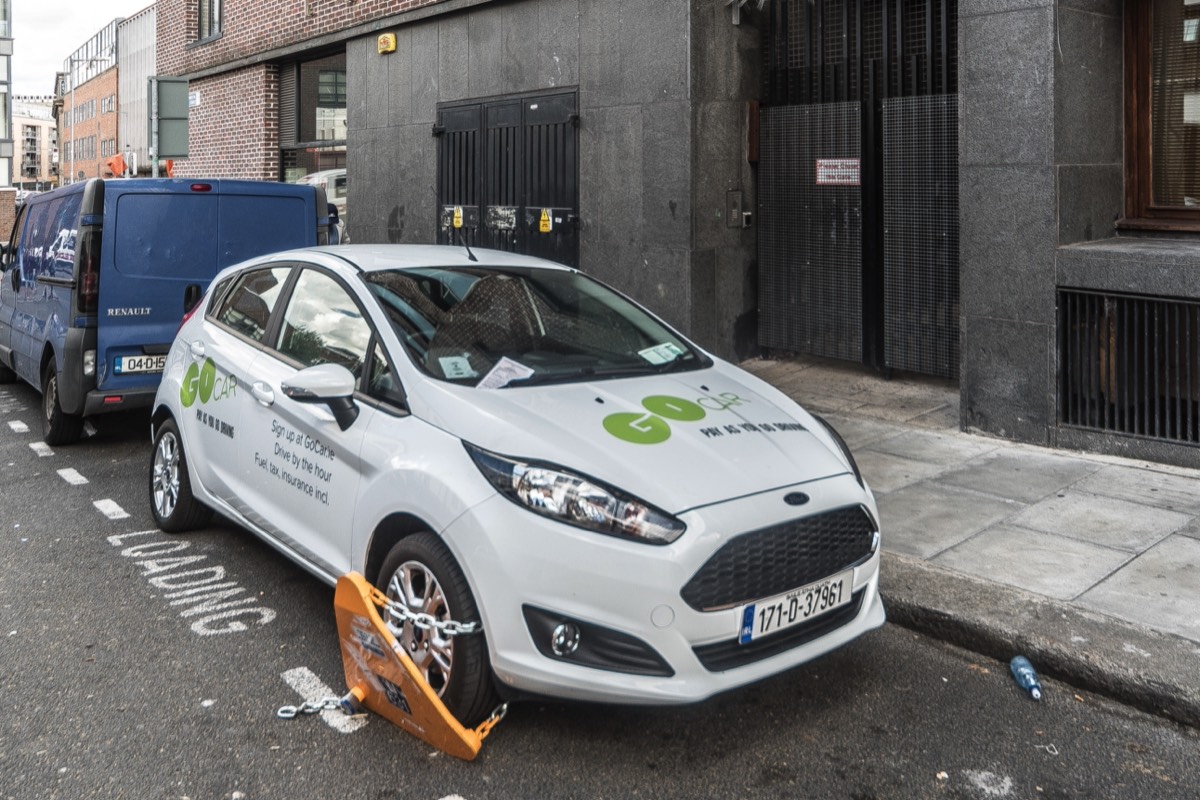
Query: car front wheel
[422, 576]
[174, 506]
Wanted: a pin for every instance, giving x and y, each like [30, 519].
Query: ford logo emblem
[795, 498]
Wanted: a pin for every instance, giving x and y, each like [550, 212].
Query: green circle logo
[638, 428]
[675, 408]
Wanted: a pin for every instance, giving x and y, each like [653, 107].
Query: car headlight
[841, 443]
[576, 500]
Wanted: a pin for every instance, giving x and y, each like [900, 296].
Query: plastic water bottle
[1026, 676]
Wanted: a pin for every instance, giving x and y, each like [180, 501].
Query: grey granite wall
[1040, 108]
[1008, 206]
[661, 137]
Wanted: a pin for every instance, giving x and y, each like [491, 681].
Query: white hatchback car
[487, 436]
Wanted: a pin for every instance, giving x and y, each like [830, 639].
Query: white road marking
[18, 426]
[72, 476]
[41, 448]
[110, 509]
[310, 688]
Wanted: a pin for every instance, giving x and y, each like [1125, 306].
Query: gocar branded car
[495, 438]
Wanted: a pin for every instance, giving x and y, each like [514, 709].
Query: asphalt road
[116, 683]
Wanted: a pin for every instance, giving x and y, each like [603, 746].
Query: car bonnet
[677, 441]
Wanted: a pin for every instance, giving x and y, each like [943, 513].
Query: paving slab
[933, 446]
[1147, 590]
[886, 473]
[1146, 486]
[1046, 563]
[1021, 473]
[927, 518]
[1098, 519]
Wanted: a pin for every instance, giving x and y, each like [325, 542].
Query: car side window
[323, 325]
[248, 306]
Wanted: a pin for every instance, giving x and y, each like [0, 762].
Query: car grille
[774, 560]
[731, 654]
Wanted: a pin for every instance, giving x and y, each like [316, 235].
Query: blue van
[98, 275]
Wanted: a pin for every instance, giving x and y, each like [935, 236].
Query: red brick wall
[8, 212]
[234, 131]
[255, 26]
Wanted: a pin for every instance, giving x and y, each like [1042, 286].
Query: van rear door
[168, 239]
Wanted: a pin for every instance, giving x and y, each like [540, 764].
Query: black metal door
[860, 65]
[508, 175]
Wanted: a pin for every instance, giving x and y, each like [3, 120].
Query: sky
[46, 32]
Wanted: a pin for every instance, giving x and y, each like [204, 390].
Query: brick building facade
[88, 123]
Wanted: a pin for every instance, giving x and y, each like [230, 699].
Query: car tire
[421, 574]
[172, 503]
[6, 374]
[58, 427]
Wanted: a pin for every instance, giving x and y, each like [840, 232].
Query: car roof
[379, 257]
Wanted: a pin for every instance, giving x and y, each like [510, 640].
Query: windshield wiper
[585, 373]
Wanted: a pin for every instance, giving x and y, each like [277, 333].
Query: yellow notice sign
[458, 216]
[545, 225]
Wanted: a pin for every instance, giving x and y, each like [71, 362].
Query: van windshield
[494, 327]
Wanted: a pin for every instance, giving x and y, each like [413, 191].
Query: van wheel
[58, 427]
[421, 575]
[6, 374]
[174, 506]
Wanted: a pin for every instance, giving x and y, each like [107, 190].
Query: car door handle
[197, 349]
[262, 393]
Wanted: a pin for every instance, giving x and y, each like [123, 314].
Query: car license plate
[126, 364]
[782, 611]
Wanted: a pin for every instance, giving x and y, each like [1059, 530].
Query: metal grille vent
[920, 211]
[810, 241]
[773, 560]
[1130, 365]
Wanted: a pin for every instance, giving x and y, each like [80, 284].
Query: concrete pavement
[1087, 564]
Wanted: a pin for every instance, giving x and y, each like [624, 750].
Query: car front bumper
[631, 595]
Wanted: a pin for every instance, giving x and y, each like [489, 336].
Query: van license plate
[127, 364]
[791, 608]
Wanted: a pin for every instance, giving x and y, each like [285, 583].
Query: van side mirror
[15, 277]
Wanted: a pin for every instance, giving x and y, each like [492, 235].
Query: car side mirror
[15, 279]
[329, 384]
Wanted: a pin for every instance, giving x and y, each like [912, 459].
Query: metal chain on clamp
[345, 704]
[425, 622]
[486, 726]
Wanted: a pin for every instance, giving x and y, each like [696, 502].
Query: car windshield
[496, 328]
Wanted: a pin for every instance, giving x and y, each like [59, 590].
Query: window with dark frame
[1162, 115]
[209, 19]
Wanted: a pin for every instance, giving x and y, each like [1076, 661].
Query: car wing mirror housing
[331, 385]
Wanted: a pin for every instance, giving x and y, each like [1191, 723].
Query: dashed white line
[41, 448]
[72, 476]
[18, 426]
[311, 688]
[110, 509]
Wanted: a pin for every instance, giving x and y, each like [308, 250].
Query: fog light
[89, 362]
[565, 639]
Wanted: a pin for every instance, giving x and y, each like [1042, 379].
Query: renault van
[98, 275]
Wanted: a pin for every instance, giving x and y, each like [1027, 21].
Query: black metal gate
[508, 175]
[858, 182]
